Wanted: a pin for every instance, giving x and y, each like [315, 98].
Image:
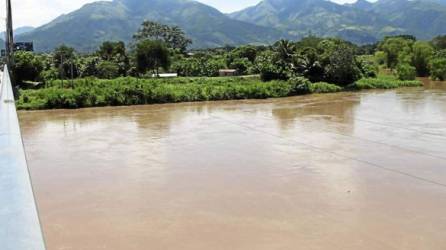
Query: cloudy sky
[38, 12]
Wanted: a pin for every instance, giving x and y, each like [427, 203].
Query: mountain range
[361, 22]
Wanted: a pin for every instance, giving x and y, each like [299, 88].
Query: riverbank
[91, 92]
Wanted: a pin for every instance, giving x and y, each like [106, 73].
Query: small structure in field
[166, 75]
[228, 72]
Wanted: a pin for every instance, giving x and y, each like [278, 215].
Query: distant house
[20, 46]
[24, 46]
[166, 75]
[227, 72]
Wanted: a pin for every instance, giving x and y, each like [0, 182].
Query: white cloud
[38, 12]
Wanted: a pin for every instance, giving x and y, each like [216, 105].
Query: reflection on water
[363, 170]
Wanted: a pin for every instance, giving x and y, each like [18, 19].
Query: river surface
[348, 171]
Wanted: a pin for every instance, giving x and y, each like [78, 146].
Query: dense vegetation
[92, 92]
[120, 75]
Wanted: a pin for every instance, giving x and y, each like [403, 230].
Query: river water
[360, 170]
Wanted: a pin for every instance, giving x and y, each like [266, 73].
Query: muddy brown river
[348, 171]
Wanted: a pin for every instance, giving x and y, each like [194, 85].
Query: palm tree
[285, 50]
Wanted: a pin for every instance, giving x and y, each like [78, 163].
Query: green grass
[131, 91]
[384, 82]
[91, 92]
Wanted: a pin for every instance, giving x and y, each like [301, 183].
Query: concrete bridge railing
[19, 222]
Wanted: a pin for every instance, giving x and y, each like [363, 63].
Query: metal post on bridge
[9, 39]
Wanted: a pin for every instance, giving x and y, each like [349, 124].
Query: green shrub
[368, 66]
[406, 72]
[107, 70]
[383, 82]
[300, 85]
[323, 87]
[438, 69]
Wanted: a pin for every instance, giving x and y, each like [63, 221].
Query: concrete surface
[19, 223]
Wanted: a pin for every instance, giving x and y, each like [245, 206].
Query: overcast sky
[38, 12]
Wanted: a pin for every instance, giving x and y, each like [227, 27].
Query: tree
[380, 57]
[187, 67]
[285, 51]
[115, 53]
[439, 42]
[247, 51]
[151, 55]
[368, 66]
[437, 66]
[173, 36]
[310, 41]
[242, 65]
[342, 68]
[88, 66]
[28, 66]
[422, 53]
[107, 70]
[438, 69]
[406, 72]
[267, 64]
[62, 54]
[392, 47]
[201, 64]
[110, 50]
[332, 60]
[242, 58]
[308, 65]
[403, 36]
[64, 58]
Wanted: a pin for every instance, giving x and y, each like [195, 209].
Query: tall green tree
[110, 50]
[27, 66]
[437, 65]
[151, 55]
[173, 36]
[422, 54]
[247, 51]
[285, 50]
[307, 64]
[392, 47]
[115, 53]
[64, 58]
[267, 64]
[438, 69]
[342, 68]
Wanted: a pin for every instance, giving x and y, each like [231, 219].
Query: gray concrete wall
[19, 224]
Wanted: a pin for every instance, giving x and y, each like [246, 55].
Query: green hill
[361, 22]
[94, 23]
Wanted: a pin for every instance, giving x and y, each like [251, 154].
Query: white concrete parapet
[19, 223]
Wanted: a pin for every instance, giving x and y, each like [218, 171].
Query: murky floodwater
[362, 170]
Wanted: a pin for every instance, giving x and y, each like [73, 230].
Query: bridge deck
[19, 223]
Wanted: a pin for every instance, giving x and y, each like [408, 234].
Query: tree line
[161, 48]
